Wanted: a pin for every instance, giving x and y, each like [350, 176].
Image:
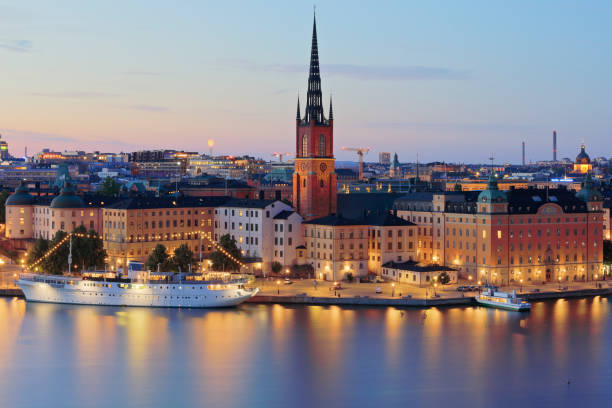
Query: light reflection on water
[258, 355]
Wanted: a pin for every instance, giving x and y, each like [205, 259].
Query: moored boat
[502, 300]
[163, 292]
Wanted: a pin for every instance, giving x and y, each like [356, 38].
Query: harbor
[390, 294]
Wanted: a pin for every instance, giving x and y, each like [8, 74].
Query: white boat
[132, 292]
[502, 300]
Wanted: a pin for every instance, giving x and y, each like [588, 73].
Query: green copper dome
[492, 193]
[67, 198]
[21, 196]
[588, 192]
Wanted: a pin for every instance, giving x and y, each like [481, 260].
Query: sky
[447, 80]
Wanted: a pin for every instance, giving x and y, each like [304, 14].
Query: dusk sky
[453, 81]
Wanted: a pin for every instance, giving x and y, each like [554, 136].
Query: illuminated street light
[278, 287]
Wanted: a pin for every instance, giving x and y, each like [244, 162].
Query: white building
[251, 223]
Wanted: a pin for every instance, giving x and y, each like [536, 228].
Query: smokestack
[554, 145]
[523, 153]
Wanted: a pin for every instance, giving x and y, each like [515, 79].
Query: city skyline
[171, 77]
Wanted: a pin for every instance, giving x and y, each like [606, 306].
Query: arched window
[322, 145]
[322, 184]
[305, 146]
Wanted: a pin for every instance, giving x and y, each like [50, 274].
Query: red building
[314, 179]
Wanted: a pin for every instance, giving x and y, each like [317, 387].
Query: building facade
[252, 224]
[528, 235]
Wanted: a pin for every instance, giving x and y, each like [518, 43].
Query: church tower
[314, 179]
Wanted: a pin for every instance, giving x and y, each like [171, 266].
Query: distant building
[582, 164]
[4, 152]
[384, 158]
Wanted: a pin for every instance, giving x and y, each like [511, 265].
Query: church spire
[331, 109]
[314, 103]
[298, 116]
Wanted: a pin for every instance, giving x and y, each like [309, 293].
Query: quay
[307, 292]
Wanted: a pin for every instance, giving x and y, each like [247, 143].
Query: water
[305, 356]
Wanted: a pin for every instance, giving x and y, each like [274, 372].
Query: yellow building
[133, 227]
[582, 164]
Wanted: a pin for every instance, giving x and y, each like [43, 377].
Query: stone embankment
[418, 302]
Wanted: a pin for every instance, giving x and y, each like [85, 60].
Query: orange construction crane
[360, 152]
[281, 155]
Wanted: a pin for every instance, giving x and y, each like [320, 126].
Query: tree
[40, 248]
[443, 278]
[57, 262]
[276, 267]
[159, 256]
[87, 249]
[222, 262]
[607, 251]
[110, 187]
[183, 258]
[4, 195]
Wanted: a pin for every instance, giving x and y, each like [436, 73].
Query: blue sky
[453, 81]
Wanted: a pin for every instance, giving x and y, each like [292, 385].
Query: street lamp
[559, 279]
[521, 285]
[278, 287]
[392, 289]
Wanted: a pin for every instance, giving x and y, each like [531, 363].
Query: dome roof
[583, 157]
[588, 192]
[492, 193]
[67, 198]
[21, 196]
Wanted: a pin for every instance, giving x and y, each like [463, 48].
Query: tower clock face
[323, 166]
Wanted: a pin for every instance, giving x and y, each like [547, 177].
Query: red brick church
[314, 179]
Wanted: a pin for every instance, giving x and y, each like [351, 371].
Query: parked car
[463, 288]
[378, 289]
[288, 281]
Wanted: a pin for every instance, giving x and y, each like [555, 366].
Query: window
[304, 146]
[322, 145]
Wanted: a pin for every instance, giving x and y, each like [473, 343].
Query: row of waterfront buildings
[497, 236]
[519, 235]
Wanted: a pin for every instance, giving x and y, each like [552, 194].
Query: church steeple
[314, 101]
[298, 116]
[315, 183]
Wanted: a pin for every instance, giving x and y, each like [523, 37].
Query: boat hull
[520, 307]
[84, 292]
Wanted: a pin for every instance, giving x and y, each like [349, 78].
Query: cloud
[16, 45]
[360, 72]
[149, 108]
[72, 95]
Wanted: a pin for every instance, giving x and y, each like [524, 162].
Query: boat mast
[70, 256]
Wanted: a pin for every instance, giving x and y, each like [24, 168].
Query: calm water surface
[270, 356]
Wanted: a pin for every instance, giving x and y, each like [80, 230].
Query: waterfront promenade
[307, 291]
[396, 294]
